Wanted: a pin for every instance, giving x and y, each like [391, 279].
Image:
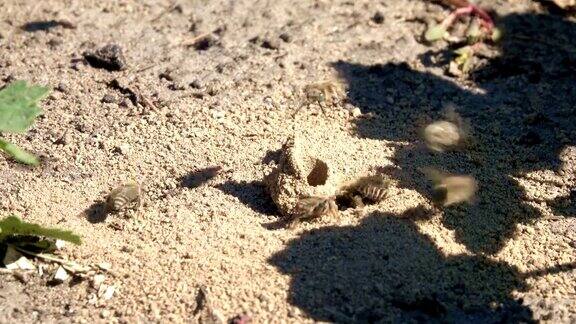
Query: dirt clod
[271, 43]
[108, 98]
[205, 42]
[286, 37]
[109, 57]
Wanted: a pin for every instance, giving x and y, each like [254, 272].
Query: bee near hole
[312, 207]
[319, 174]
[366, 190]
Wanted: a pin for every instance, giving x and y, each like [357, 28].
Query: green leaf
[18, 107]
[474, 33]
[496, 34]
[464, 59]
[435, 33]
[18, 153]
[12, 225]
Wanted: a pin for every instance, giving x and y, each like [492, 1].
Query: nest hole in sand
[319, 174]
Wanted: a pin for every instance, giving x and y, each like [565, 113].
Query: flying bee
[451, 189]
[442, 135]
[313, 207]
[451, 133]
[322, 92]
[123, 196]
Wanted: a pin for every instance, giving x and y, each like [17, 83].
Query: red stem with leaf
[465, 8]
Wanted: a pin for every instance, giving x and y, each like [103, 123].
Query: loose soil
[208, 92]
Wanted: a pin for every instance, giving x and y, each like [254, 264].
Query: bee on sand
[123, 196]
[310, 207]
[370, 189]
[323, 92]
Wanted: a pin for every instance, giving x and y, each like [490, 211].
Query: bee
[322, 92]
[123, 196]
[442, 135]
[310, 207]
[447, 134]
[373, 189]
[451, 189]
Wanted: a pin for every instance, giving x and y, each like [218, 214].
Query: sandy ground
[232, 100]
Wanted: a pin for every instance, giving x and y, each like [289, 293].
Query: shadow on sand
[522, 122]
[386, 270]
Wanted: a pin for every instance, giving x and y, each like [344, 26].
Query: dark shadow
[35, 26]
[281, 223]
[253, 194]
[523, 119]
[565, 206]
[96, 213]
[560, 268]
[385, 270]
[197, 178]
[555, 9]
[272, 156]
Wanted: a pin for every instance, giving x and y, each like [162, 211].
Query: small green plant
[484, 30]
[13, 227]
[18, 110]
[481, 30]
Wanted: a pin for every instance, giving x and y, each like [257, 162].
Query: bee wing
[460, 189]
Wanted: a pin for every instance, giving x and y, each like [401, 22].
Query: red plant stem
[485, 19]
[455, 15]
[457, 3]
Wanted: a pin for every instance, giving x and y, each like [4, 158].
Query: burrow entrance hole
[319, 174]
[349, 198]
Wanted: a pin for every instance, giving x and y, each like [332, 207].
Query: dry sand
[186, 106]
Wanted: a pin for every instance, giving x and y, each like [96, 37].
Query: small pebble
[127, 249]
[97, 281]
[108, 98]
[105, 313]
[60, 244]
[68, 24]
[205, 43]
[105, 266]
[218, 114]
[62, 87]
[109, 57]
[356, 112]
[125, 103]
[123, 149]
[21, 277]
[55, 42]
[61, 275]
[64, 139]
[286, 37]
[196, 84]
[271, 43]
